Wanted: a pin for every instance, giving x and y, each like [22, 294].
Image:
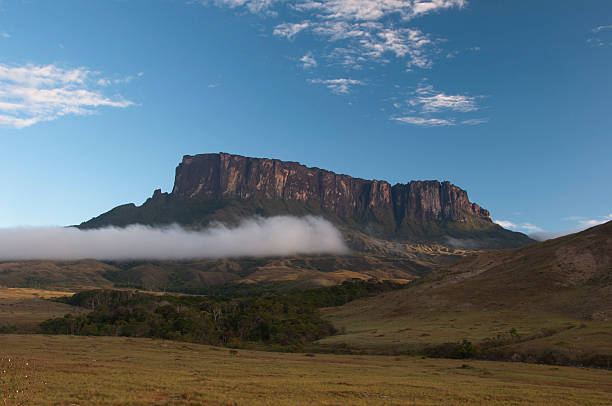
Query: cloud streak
[338, 86]
[432, 101]
[258, 237]
[528, 227]
[425, 122]
[537, 233]
[30, 94]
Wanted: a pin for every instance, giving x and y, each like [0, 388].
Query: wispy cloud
[108, 82]
[358, 35]
[338, 86]
[290, 30]
[528, 227]
[598, 38]
[308, 61]
[432, 101]
[590, 222]
[425, 103]
[373, 29]
[602, 28]
[372, 10]
[31, 93]
[505, 223]
[254, 6]
[475, 121]
[5, 35]
[425, 122]
[537, 233]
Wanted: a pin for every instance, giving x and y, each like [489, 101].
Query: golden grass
[381, 331]
[126, 371]
[23, 309]
[27, 293]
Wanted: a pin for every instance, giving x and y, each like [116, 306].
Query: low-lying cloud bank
[257, 237]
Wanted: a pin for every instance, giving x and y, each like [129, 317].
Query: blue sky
[99, 100]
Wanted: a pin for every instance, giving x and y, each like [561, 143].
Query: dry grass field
[68, 370]
[556, 295]
[22, 309]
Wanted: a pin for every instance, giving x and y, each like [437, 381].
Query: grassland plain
[23, 309]
[69, 370]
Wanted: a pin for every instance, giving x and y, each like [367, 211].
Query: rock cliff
[226, 176]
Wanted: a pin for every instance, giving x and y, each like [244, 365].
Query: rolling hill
[556, 295]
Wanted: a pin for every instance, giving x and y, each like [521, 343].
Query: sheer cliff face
[225, 176]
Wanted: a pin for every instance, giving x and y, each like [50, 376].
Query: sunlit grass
[119, 371]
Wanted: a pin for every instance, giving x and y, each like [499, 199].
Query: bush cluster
[288, 320]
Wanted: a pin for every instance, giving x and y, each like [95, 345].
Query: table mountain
[228, 187]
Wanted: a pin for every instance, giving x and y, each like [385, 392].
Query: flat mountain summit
[225, 187]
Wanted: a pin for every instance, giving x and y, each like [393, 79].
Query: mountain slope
[224, 187]
[557, 294]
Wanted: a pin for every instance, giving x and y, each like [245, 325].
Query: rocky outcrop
[226, 176]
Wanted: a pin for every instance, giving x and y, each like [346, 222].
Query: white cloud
[426, 102]
[254, 6]
[528, 227]
[425, 122]
[367, 27]
[5, 35]
[586, 222]
[582, 223]
[432, 101]
[596, 39]
[290, 30]
[602, 28]
[452, 54]
[372, 41]
[33, 93]
[308, 61]
[360, 33]
[338, 86]
[373, 10]
[274, 236]
[505, 223]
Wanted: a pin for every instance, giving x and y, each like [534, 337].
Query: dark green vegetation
[288, 320]
[548, 302]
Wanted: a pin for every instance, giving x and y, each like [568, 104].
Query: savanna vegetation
[65, 370]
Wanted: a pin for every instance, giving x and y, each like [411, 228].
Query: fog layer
[257, 237]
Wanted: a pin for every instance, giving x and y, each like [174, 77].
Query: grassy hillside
[555, 297]
[64, 370]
